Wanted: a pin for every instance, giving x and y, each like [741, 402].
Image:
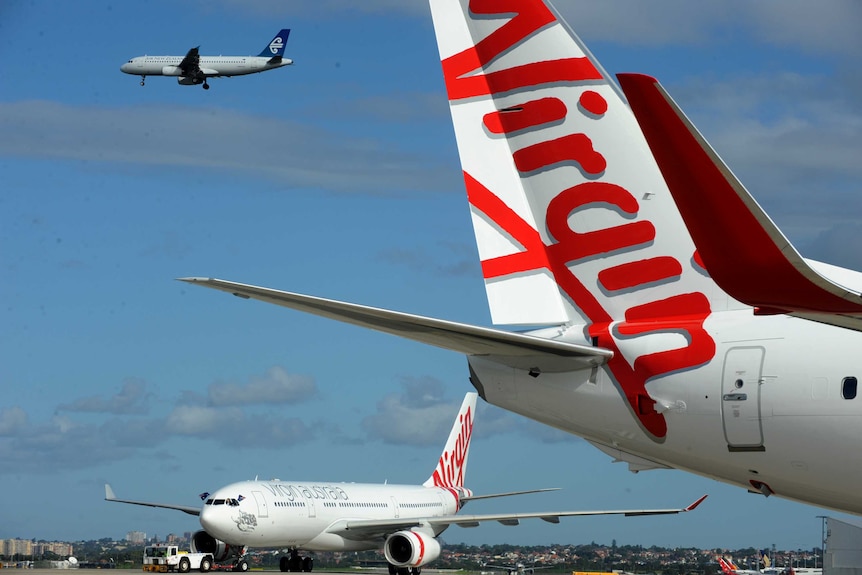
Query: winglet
[109, 493]
[696, 503]
[741, 248]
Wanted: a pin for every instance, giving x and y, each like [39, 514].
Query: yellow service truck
[164, 558]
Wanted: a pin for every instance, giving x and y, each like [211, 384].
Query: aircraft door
[262, 508]
[740, 398]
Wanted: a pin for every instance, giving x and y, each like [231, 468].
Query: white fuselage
[211, 66]
[297, 514]
[794, 430]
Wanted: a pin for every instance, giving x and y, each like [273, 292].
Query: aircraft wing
[378, 528]
[740, 246]
[190, 65]
[518, 350]
[109, 496]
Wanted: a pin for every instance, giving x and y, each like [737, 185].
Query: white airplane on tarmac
[403, 520]
[674, 326]
[193, 69]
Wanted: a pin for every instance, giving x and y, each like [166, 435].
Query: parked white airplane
[720, 351]
[193, 69]
[403, 520]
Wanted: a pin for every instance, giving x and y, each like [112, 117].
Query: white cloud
[417, 416]
[201, 421]
[12, 419]
[276, 386]
[293, 154]
[132, 398]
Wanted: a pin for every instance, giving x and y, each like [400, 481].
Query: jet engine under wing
[109, 496]
[371, 528]
[517, 350]
[740, 246]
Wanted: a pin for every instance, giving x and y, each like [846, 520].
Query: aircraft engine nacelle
[411, 549]
[190, 80]
[171, 71]
[203, 542]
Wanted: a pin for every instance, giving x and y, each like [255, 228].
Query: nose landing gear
[142, 80]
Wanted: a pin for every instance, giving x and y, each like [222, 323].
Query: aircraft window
[848, 388]
[218, 502]
[209, 501]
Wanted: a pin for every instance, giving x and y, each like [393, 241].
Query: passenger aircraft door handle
[735, 396]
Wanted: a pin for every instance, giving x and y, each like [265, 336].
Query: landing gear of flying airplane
[296, 563]
[206, 86]
[142, 80]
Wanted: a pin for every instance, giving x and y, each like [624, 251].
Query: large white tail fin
[572, 218]
[452, 465]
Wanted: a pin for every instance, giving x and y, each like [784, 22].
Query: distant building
[843, 548]
[11, 547]
[55, 547]
[136, 537]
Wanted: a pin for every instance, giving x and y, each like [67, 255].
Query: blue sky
[337, 177]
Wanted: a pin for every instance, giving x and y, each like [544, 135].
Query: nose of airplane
[127, 67]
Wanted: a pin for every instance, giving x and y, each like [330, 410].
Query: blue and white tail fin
[452, 465]
[572, 218]
[275, 48]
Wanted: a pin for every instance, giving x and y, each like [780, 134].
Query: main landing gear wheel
[295, 563]
[241, 566]
[206, 86]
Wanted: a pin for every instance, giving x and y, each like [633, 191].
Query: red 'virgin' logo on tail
[450, 468]
[681, 313]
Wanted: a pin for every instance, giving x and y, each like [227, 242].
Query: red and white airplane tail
[572, 218]
[727, 567]
[574, 222]
[452, 465]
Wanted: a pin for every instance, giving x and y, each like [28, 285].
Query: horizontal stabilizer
[517, 350]
[741, 247]
[109, 496]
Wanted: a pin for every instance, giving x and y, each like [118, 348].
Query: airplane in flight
[671, 323]
[403, 520]
[194, 69]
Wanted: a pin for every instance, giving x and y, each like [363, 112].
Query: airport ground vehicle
[164, 558]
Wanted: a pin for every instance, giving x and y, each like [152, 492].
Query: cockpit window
[218, 501]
